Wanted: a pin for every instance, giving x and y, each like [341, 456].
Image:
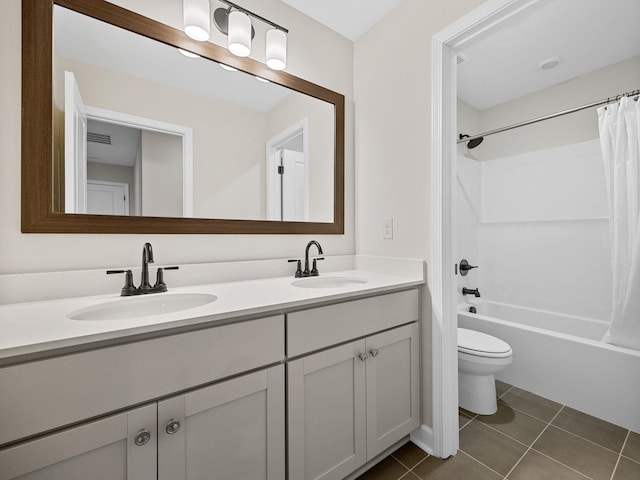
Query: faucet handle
[129, 288]
[314, 268]
[298, 273]
[160, 286]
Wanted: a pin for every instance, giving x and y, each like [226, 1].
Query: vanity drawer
[317, 328]
[46, 394]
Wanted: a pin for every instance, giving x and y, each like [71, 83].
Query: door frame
[149, 124]
[443, 439]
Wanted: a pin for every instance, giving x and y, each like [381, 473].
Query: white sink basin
[328, 282]
[143, 306]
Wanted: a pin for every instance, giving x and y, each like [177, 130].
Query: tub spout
[471, 291]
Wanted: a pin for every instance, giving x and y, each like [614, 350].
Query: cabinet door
[327, 438]
[119, 447]
[393, 394]
[230, 431]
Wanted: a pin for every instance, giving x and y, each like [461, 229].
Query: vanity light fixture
[228, 68]
[235, 22]
[196, 19]
[263, 80]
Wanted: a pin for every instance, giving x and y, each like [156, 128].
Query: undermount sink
[143, 306]
[328, 282]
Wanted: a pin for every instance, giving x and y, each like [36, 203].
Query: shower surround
[536, 224]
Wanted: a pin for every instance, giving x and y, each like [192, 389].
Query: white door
[75, 147]
[293, 186]
[287, 182]
[121, 447]
[327, 419]
[393, 395]
[107, 198]
[229, 431]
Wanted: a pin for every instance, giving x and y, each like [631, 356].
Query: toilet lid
[481, 344]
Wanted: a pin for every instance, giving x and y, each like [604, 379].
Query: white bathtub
[561, 358]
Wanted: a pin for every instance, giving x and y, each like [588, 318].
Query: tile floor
[528, 438]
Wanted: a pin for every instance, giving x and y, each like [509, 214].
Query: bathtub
[561, 357]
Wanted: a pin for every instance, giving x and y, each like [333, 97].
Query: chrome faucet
[145, 287]
[471, 291]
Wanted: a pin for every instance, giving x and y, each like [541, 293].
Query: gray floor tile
[387, 469]
[409, 455]
[534, 405]
[492, 448]
[463, 420]
[501, 388]
[535, 466]
[518, 425]
[627, 470]
[598, 431]
[460, 466]
[592, 460]
[632, 448]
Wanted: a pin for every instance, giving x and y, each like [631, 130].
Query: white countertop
[29, 328]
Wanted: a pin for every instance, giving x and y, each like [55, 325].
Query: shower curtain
[620, 142]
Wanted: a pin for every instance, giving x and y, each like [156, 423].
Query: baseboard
[423, 438]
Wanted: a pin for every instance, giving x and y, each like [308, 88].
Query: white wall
[576, 127]
[544, 237]
[392, 84]
[309, 44]
[162, 184]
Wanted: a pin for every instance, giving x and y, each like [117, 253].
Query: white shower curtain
[620, 141]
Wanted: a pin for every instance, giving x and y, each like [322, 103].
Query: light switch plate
[387, 228]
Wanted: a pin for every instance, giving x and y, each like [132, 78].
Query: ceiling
[503, 65]
[350, 18]
[586, 34]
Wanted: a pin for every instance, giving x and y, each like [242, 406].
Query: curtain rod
[553, 115]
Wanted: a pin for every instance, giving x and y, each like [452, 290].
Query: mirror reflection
[142, 129]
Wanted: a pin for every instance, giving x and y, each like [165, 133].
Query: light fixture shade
[276, 49]
[239, 36]
[196, 19]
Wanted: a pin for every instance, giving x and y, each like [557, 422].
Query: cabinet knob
[173, 426]
[142, 437]
[374, 352]
[362, 356]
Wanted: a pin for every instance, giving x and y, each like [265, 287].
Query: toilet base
[477, 393]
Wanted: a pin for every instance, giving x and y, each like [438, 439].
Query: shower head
[472, 143]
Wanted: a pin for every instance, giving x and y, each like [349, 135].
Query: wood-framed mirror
[52, 201]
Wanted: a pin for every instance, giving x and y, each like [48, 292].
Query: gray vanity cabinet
[349, 403]
[119, 447]
[234, 429]
[229, 431]
[327, 417]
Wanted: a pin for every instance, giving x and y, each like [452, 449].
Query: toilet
[480, 356]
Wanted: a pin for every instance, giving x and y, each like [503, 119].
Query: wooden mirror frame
[37, 130]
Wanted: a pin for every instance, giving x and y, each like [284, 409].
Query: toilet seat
[480, 344]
